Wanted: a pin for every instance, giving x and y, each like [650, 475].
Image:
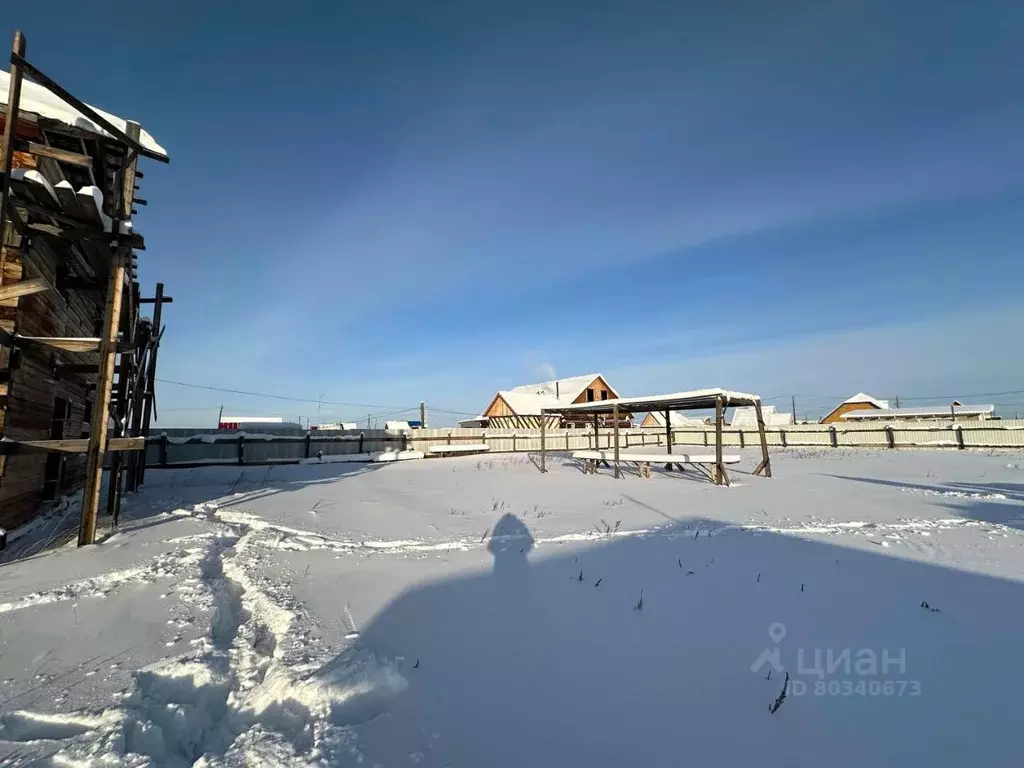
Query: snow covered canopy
[40, 101]
[696, 399]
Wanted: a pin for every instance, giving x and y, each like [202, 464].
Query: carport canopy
[693, 400]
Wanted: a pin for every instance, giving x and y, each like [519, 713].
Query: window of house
[604, 394]
[590, 395]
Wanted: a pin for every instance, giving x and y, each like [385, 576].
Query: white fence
[243, 449]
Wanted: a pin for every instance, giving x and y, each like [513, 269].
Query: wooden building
[520, 407]
[859, 402]
[77, 359]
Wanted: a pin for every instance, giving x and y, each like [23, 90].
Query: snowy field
[474, 612]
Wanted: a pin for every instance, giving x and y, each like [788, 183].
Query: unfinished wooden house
[77, 359]
[520, 407]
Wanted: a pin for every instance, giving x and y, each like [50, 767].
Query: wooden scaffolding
[74, 347]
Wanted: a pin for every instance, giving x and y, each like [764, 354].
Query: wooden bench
[459, 448]
[643, 461]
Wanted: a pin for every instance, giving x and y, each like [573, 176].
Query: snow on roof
[567, 389]
[929, 412]
[747, 417]
[694, 399]
[35, 98]
[863, 397]
[529, 403]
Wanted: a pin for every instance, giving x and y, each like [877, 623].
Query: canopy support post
[615, 417]
[766, 463]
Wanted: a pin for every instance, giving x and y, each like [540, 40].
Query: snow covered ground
[471, 612]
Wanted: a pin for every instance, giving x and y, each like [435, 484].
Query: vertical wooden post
[13, 97]
[959, 436]
[615, 418]
[241, 448]
[307, 441]
[890, 438]
[163, 449]
[108, 349]
[766, 463]
[150, 379]
[833, 436]
[597, 435]
[543, 445]
[668, 436]
[719, 467]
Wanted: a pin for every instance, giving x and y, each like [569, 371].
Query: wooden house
[77, 359]
[859, 402]
[520, 407]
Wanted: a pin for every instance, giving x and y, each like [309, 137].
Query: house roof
[529, 399]
[567, 389]
[747, 417]
[35, 98]
[863, 397]
[693, 400]
[676, 418]
[929, 412]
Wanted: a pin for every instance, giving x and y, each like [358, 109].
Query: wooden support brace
[23, 288]
[11, 447]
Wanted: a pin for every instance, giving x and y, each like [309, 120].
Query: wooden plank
[101, 405]
[76, 344]
[116, 444]
[60, 155]
[23, 288]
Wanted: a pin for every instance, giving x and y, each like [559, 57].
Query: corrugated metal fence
[221, 448]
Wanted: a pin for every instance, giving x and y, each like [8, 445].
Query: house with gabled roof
[520, 407]
[859, 402]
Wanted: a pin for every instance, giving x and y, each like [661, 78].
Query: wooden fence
[221, 448]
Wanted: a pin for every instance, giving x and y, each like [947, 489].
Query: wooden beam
[13, 98]
[24, 288]
[60, 155]
[10, 447]
[720, 477]
[108, 349]
[157, 300]
[129, 138]
[615, 418]
[543, 441]
[65, 344]
[766, 463]
[149, 384]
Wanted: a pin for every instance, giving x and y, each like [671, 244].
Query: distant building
[746, 416]
[859, 402]
[520, 407]
[957, 412]
[337, 426]
[267, 424]
[656, 420]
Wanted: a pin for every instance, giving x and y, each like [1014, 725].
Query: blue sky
[379, 203]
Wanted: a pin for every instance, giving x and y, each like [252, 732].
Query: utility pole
[318, 419]
[897, 401]
[794, 409]
[220, 416]
[423, 415]
[367, 421]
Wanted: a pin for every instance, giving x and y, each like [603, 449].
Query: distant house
[266, 424]
[656, 420]
[859, 402]
[957, 412]
[520, 407]
[337, 426]
[747, 417]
